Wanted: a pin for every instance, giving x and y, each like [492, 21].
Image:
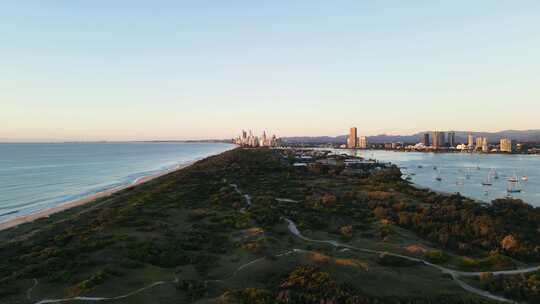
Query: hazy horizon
[190, 70]
[256, 132]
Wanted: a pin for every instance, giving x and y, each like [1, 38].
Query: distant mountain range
[461, 136]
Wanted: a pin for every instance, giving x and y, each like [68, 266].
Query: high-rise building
[363, 142]
[451, 139]
[249, 140]
[438, 139]
[425, 140]
[352, 142]
[485, 146]
[479, 143]
[507, 145]
[471, 141]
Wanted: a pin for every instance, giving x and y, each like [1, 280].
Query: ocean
[38, 176]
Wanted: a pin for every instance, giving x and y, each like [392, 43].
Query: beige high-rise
[352, 142]
[508, 145]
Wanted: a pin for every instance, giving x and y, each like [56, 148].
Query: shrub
[436, 256]
[194, 289]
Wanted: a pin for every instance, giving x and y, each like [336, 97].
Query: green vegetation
[525, 287]
[192, 231]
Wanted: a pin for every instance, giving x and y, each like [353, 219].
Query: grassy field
[191, 234]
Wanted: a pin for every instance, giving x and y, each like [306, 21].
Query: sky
[140, 70]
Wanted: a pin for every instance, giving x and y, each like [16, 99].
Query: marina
[479, 176]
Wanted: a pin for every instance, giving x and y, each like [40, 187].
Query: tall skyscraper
[508, 145]
[485, 146]
[471, 141]
[425, 140]
[352, 143]
[249, 140]
[363, 142]
[451, 139]
[438, 139]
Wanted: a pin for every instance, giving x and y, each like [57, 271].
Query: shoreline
[45, 213]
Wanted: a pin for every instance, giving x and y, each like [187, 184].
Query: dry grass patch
[416, 249]
[352, 263]
[319, 258]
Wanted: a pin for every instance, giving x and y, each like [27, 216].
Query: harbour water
[37, 176]
[465, 173]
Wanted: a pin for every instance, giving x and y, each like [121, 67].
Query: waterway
[466, 173]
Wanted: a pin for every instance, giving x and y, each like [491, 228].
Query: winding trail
[248, 264]
[453, 273]
[96, 299]
[286, 200]
[247, 197]
[29, 291]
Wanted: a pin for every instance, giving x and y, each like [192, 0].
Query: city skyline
[437, 141]
[190, 70]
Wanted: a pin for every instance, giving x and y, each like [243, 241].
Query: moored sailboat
[487, 181]
[494, 174]
[513, 187]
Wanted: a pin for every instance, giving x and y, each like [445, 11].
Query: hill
[461, 136]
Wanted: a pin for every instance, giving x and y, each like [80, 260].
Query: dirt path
[453, 273]
[97, 299]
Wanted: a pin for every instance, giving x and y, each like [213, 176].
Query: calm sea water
[34, 177]
[464, 172]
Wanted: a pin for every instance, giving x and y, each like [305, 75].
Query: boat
[438, 177]
[487, 181]
[494, 174]
[512, 188]
[434, 167]
[420, 166]
[468, 174]
[513, 179]
[525, 178]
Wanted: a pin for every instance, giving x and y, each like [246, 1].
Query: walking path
[96, 299]
[453, 273]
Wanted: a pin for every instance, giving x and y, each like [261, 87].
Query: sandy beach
[85, 200]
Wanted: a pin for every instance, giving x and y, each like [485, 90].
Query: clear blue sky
[123, 70]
